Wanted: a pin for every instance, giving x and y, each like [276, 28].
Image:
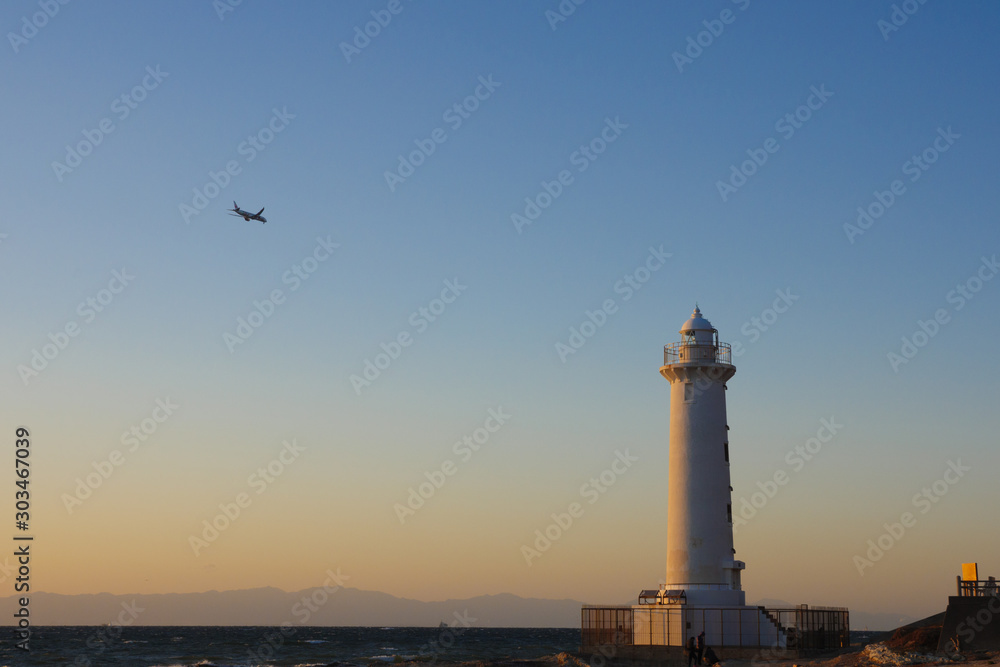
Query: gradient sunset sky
[715, 152]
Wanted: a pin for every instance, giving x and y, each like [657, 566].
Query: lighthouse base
[733, 626]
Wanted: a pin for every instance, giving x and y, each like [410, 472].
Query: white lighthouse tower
[703, 593]
[700, 554]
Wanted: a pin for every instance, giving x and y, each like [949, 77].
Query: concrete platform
[974, 620]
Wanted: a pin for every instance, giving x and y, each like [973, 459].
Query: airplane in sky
[247, 215]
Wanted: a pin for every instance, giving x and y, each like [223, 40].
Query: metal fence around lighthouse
[802, 628]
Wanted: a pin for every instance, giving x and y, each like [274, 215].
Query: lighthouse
[700, 553]
[703, 592]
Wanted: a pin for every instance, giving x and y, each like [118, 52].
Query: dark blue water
[169, 646]
[299, 646]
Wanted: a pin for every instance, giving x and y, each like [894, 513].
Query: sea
[139, 646]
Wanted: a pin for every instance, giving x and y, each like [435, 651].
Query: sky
[484, 221]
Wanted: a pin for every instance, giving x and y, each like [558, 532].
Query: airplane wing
[259, 212]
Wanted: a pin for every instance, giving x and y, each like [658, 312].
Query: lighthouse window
[688, 392]
[726, 447]
[729, 512]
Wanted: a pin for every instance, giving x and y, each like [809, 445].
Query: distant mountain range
[272, 607]
[345, 606]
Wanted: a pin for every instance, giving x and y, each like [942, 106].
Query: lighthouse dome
[697, 323]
